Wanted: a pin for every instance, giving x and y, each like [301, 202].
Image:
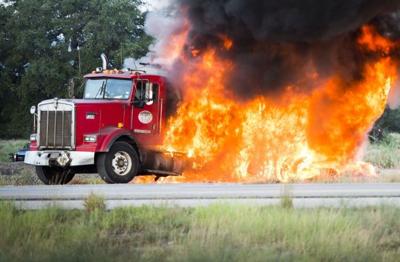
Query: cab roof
[118, 74]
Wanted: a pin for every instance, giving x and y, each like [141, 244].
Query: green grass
[215, 233]
[385, 154]
[10, 146]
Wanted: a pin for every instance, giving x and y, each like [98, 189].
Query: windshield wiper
[101, 90]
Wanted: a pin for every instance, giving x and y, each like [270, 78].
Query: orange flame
[228, 43]
[373, 41]
[291, 138]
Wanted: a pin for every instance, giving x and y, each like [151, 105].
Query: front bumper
[59, 158]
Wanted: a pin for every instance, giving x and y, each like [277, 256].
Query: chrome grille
[55, 128]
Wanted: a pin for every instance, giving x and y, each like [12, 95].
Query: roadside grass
[215, 233]
[87, 179]
[26, 177]
[19, 174]
[22, 177]
[10, 146]
[385, 154]
[389, 176]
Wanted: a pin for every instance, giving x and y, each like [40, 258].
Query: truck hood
[83, 101]
[94, 101]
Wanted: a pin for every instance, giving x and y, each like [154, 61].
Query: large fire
[293, 136]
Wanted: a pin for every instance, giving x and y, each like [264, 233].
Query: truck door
[146, 108]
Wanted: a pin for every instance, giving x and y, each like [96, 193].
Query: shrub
[94, 203]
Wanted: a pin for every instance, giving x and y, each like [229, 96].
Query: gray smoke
[286, 42]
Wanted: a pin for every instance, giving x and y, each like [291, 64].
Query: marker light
[33, 138]
[90, 138]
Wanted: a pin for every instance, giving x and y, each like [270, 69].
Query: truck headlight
[33, 138]
[90, 138]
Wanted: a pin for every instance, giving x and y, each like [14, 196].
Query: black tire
[54, 175]
[120, 165]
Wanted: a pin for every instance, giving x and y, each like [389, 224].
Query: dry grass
[87, 179]
[94, 203]
[385, 154]
[17, 174]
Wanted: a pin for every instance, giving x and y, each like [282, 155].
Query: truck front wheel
[54, 175]
[120, 165]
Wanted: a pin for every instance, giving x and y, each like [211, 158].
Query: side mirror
[33, 110]
[149, 95]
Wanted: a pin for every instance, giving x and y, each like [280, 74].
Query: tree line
[47, 46]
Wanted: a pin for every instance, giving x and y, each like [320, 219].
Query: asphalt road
[303, 195]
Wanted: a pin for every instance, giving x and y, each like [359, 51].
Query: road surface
[187, 195]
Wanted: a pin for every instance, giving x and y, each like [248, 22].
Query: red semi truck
[115, 130]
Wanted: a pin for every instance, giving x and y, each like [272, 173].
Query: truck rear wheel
[120, 165]
[54, 175]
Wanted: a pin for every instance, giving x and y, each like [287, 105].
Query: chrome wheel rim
[121, 163]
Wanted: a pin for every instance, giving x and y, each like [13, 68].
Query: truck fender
[110, 135]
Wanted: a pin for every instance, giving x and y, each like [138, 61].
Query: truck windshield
[107, 88]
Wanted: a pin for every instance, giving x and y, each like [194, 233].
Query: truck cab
[115, 130]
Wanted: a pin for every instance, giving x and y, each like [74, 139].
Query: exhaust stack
[105, 61]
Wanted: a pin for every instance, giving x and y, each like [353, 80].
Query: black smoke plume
[284, 43]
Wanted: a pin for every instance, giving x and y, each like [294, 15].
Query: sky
[155, 4]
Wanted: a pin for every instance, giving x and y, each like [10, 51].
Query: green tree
[388, 123]
[45, 44]
[7, 94]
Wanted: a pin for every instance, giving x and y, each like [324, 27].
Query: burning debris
[277, 91]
